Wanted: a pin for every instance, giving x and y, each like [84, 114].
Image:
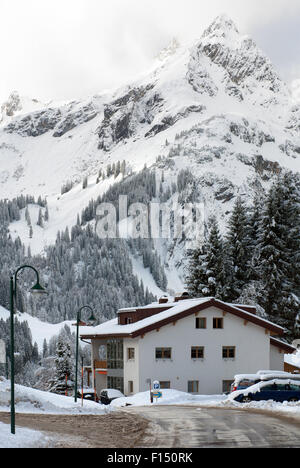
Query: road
[112, 430]
[164, 427]
[187, 427]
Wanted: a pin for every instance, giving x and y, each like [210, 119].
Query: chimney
[182, 296]
[163, 300]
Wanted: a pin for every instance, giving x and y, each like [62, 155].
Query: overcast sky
[65, 49]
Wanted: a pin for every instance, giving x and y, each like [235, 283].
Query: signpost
[2, 352]
[156, 390]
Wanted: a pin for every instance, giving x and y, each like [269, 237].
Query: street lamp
[36, 289]
[91, 319]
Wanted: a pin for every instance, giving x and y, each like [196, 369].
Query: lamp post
[36, 289]
[91, 319]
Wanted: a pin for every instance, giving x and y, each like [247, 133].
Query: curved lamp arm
[27, 266]
[37, 288]
[91, 319]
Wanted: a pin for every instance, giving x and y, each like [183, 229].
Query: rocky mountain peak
[12, 105]
[221, 25]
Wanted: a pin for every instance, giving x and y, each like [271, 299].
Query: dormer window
[128, 320]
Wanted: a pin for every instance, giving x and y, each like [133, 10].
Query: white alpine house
[191, 345]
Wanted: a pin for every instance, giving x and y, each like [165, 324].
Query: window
[115, 354]
[226, 385]
[128, 320]
[197, 352]
[165, 384]
[228, 352]
[163, 353]
[193, 386]
[201, 322]
[295, 387]
[130, 386]
[115, 382]
[217, 322]
[130, 353]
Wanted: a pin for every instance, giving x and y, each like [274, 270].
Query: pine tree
[85, 183]
[206, 266]
[279, 247]
[63, 368]
[40, 219]
[45, 348]
[237, 247]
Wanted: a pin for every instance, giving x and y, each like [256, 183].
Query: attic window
[217, 322]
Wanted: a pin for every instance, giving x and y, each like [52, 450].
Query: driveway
[184, 426]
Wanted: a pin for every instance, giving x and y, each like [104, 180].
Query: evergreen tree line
[26, 352]
[83, 269]
[257, 261]
[10, 209]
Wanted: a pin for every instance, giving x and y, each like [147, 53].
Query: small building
[192, 345]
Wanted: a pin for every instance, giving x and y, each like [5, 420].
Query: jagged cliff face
[218, 108]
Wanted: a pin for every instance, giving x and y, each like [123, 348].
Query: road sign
[156, 385]
[2, 352]
[157, 394]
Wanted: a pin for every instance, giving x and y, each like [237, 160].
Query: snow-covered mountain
[217, 107]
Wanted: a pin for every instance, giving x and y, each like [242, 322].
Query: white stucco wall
[131, 366]
[252, 352]
[276, 358]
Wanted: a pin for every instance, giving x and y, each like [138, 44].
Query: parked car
[107, 395]
[88, 394]
[242, 381]
[276, 390]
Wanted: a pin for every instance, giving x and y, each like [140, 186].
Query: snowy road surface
[184, 426]
[156, 427]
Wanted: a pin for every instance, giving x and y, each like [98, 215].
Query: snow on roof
[112, 327]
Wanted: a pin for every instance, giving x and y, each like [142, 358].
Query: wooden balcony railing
[100, 364]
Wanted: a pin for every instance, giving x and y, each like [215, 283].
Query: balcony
[100, 365]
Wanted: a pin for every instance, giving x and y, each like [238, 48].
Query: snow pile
[291, 409]
[24, 438]
[29, 400]
[175, 397]
[293, 359]
[169, 397]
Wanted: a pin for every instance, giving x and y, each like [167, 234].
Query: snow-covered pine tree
[279, 247]
[194, 278]
[255, 217]
[63, 367]
[40, 219]
[237, 247]
[206, 267]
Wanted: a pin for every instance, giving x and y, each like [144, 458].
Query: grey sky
[64, 49]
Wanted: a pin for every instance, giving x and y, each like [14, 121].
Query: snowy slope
[217, 107]
[40, 330]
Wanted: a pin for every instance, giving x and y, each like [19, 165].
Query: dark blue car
[271, 391]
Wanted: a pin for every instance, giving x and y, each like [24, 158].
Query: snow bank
[24, 438]
[291, 409]
[29, 400]
[169, 397]
[175, 397]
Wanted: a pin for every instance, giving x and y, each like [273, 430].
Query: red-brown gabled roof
[288, 349]
[176, 312]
